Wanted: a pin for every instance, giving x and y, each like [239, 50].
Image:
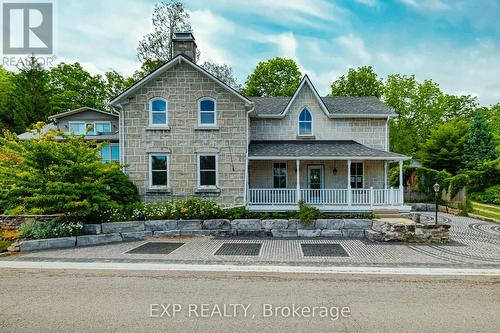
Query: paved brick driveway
[475, 243]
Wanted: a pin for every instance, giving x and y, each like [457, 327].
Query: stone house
[185, 133]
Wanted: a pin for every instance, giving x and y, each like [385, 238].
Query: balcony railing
[354, 197]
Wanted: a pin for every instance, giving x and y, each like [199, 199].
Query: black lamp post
[436, 190]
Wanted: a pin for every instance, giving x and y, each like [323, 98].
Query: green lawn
[486, 210]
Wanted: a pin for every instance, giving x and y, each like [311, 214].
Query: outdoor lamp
[436, 190]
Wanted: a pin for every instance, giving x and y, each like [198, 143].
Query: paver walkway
[475, 243]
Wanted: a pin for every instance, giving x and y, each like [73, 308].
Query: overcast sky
[456, 43]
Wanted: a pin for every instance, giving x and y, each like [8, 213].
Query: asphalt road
[109, 301]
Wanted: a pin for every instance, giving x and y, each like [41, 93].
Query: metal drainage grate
[239, 249]
[323, 250]
[155, 248]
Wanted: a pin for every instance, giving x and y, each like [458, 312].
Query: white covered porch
[330, 183]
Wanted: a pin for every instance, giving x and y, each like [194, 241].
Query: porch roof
[318, 150]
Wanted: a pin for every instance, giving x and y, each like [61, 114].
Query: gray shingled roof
[337, 105]
[317, 148]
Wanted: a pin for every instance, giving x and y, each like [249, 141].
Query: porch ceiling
[318, 150]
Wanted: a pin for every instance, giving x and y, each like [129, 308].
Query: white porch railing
[358, 197]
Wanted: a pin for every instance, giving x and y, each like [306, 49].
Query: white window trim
[199, 112]
[286, 174]
[151, 112]
[363, 166]
[150, 171]
[104, 123]
[216, 171]
[298, 122]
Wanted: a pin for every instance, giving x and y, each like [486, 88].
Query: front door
[314, 182]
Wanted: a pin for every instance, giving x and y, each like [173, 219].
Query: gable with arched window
[207, 112]
[158, 112]
[305, 122]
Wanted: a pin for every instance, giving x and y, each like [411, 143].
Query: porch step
[386, 213]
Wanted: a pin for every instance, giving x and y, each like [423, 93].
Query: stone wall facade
[182, 86]
[369, 132]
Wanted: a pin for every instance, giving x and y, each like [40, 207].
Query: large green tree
[275, 77]
[443, 150]
[480, 145]
[29, 101]
[14, 121]
[74, 87]
[362, 81]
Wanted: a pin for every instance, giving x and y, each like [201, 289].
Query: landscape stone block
[246, 224]
[136, 235]
[98, 239]
[309, 232]
[332, 224]
[50, 243]
[189, 224]
[161, 225]
[92, 229]
[118, 227]
[274, 224]
[357, 224]
[216, 224]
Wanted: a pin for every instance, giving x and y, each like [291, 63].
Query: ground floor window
[279, 175]
[207, 168]
[357, 175]
[158, 170]
[110, 153]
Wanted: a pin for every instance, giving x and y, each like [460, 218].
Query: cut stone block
[98, 239]
[331, 233]
[274, 224]
[118, 227]
[246, 224]
[284, 233]
[136, 235]
[92, 229]
[161, 225]
[217, 224]
[332, 224]
[189, 224]
[166, 233]
[45, 244]
[309, 233]
[353, 233]
[357, 224]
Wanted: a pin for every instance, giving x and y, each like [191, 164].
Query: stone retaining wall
[12, 222]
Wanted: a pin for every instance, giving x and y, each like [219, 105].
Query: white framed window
[158, 170]
[207, 112]
[102, 127]
[305, 122]
[357, 177]
[279, 175]
[110, 153]
[80, 127]
[158, 112]
[207, 170]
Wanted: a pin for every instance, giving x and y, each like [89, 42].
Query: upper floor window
[206, 114]
[305, 122]
[158, 112]
[78, 128]
[102, 127]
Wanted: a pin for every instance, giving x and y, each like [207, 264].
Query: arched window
[206, 112]
[158, 109]
[305, 122]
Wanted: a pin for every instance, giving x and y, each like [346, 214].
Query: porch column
[401, 181]
[349, 192]
[297, 163]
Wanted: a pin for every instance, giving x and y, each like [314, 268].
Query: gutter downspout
[387, 134]
[245, 192]
[121, 136]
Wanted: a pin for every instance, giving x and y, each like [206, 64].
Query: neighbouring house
[184, 133]
[95, 125]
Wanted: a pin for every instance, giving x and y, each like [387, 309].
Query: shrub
[10, 234]
[425, 178]
[308, 214]
[49, 175]
[54, 228]
[489, 196]
[456, 183]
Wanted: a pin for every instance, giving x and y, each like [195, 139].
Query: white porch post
[401, 181]
[349, 192]
[385, 175]
[297, 163]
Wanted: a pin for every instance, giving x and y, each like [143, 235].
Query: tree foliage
[50, 175]
[443, 150]
[480, 144]
[222, 72]
[362, 81]
[168, 17]
[275, 77]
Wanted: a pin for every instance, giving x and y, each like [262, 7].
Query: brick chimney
[183, 43]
